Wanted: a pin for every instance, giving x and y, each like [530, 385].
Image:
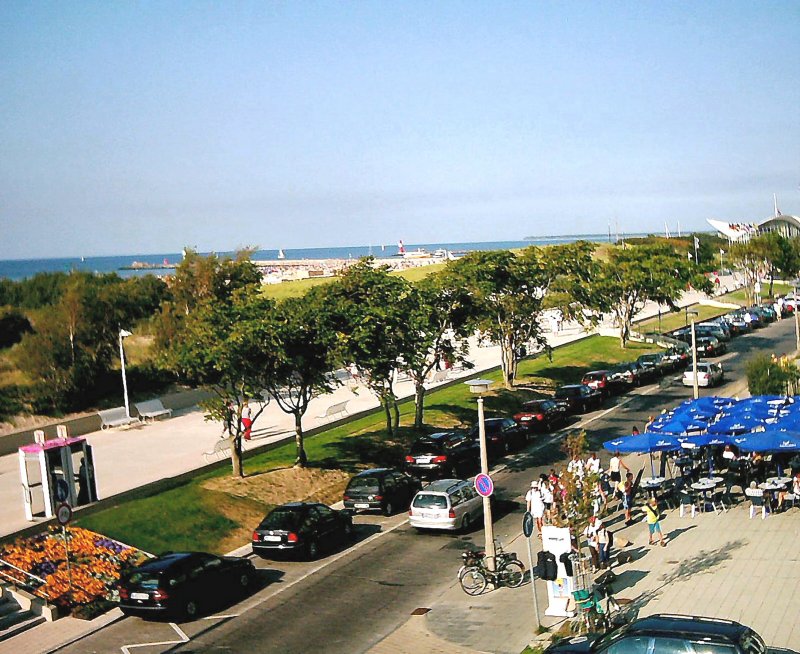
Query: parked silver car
[708, 374]
[448, 504]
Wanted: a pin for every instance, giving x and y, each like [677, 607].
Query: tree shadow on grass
[369, 449]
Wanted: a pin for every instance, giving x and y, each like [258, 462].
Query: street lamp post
[695, 386]
[480, 386]
[124, 333]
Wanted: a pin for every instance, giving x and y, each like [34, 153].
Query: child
[653, 518]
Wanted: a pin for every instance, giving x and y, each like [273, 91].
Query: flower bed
[95, 566]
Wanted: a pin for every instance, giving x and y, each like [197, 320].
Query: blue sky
[143, 127]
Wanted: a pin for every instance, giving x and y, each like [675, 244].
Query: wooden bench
[338, 409]
[152, 409]
[116, 417]
[221, 450]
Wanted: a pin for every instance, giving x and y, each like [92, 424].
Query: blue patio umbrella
[673, 425]
[736, 424]
[647, 442]
[773, 440]
[706, 440]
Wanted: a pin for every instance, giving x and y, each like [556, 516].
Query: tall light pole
[480, 386]
[124, 333]
[695, 385]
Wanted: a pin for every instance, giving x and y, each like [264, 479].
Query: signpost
[527, 530]
[484, 485]
[64, 515]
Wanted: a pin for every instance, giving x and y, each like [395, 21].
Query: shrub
[13, 326]
[768, 375]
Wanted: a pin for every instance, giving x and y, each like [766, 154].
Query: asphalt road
[352, 599]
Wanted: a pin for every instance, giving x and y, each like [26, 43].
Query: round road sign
[484, 485]
[64, 514]
[527, 524]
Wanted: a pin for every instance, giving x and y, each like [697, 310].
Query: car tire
[349, 532]
[388, 509]
[245, 581]
[312, 550]
[583, 407]
[466, 521]
[190, 610]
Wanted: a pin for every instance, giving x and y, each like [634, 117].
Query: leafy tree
[13, 326]
[368, 310]
[228, 347]
[303, 359]
[506, 293]
[767, 254]
[770, 375]
[634, 275]
[436, 330]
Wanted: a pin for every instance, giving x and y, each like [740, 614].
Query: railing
[17, 583]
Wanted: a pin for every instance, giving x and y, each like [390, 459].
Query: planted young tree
[228, 347]
[634, 275]
[437, 333]
[303, 360]
[505, 293]
[767, 254]
[368, 310]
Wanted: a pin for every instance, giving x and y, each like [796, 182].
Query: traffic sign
[484, 485]
[527, 524]
[64, 514]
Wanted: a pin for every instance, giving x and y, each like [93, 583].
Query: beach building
[785, 225]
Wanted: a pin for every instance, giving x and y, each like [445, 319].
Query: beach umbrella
[647, 442]
[707, 440]
[773, 440]
[736, 424]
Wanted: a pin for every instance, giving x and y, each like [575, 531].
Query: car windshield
[281, 518]
[566, 392]
[594, 376]
[364, 483]
[534, 406]
[425, 447]
[430, 501]
[144, 579]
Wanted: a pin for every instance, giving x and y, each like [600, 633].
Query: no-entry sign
[484, 485]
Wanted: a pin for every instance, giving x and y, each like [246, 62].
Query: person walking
[535, 505]
[614, 466]
[590, 533]
[625, 488]
[653, 519]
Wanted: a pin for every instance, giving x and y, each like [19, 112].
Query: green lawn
[191, 516]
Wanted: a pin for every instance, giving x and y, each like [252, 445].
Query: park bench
[116, 417]
[221, 450]
[152, 409]
[338, 409]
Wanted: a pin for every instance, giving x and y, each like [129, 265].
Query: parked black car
[441, 455]
[183, 584]
[668, 633]
[502, 435]
[578, 398]
[708, 346]
[626, 375]
[705, 329]
[541, 415]
[302, 528]
[380, 489]
[658, 361]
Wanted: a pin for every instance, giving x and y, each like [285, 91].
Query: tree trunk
[771, 280]
[396, 411]
[508, 361]
[420, 407]
[302, 459]
[388, 413]
[236, 455]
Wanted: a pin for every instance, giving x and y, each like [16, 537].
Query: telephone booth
[55, 471]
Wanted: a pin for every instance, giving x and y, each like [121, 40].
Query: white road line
[184, 639]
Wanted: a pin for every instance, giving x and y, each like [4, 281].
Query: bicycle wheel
[512, 574]
[473, 581]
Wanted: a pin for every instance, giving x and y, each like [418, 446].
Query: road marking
[184, 639]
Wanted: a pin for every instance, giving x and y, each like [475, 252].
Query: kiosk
[55, 471]
[558, 541]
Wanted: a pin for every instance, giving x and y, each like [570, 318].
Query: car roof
[165, 561]
[535, 402]
[570, 386]
[690, 625]
[439, 435]
[442, 485]
[373, 472]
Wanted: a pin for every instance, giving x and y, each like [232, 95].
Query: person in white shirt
[575, 468]
[547, 497]
[590, 532]
[535, 505]
[614, 466]
[593, 464]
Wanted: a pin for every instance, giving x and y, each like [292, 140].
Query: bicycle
[475, 575]
[599, 611]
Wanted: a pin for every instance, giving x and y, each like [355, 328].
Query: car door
[405, 489]
[473, 503]
[457, 504]
[329, 526]
[391, 494]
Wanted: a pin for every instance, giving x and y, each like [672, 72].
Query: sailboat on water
[281, 254]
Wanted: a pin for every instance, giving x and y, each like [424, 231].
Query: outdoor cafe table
[772, 489]
[782, 481]
[706, 487]
[652, 484]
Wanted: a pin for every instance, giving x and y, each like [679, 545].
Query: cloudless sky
[135, 127]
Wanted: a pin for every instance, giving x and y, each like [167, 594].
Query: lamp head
[124, 333]
[478, 385]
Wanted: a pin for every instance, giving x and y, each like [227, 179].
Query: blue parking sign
[484, 485]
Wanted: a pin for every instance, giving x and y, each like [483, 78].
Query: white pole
[695, 386]
[533, 585]
[124, 379]
[796, 320]
[488, 527]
